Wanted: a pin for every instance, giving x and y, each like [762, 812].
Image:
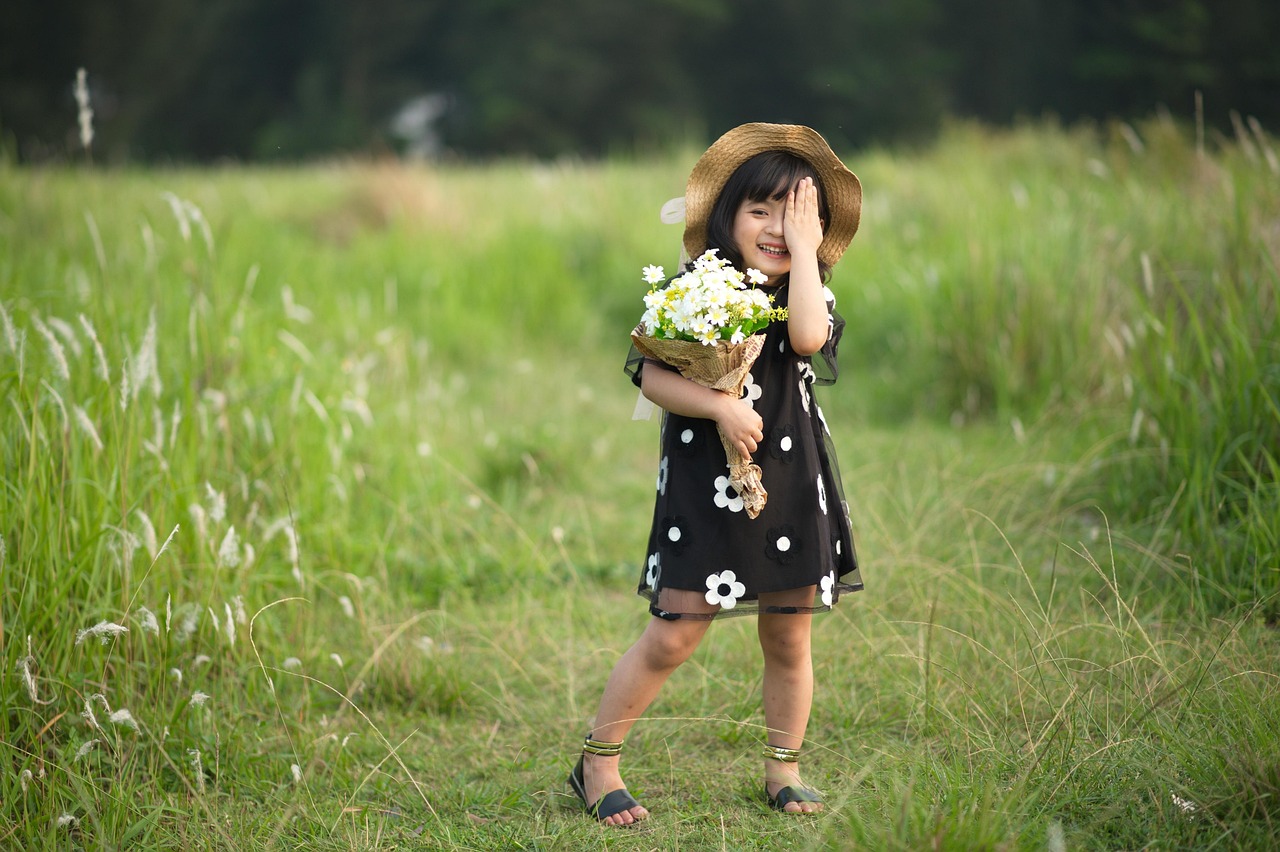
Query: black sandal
[779, 801]
[611, 803]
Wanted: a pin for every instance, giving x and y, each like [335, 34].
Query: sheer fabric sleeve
[635, 365]
[825, 368]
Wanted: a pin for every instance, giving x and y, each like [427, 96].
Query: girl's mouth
[772, 251]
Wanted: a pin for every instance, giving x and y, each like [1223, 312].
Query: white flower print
[822, 495]
[723, 589]
[686, 437]
[751, 391]
[828, 588]
[806, 371]
[782, 345]
[655, 570]
[822, 417]
[722, 498]
[673, 534]
[804, 395]
[662, 474]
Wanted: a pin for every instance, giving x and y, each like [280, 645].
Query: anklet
[601, 749]
[783, 755]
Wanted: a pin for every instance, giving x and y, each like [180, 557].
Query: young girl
[773, 198]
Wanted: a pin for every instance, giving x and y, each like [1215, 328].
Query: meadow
[322, 507]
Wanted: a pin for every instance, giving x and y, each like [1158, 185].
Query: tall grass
[338, 463]
[1124, 278]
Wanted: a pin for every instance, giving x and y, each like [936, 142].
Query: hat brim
[714, 168]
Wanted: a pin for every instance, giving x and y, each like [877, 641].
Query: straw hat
[840, 186]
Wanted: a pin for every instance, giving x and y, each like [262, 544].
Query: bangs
[774, 174]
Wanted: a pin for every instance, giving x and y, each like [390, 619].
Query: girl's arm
[678, 395]
[808, 321]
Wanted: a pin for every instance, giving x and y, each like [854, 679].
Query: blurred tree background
[200, 80]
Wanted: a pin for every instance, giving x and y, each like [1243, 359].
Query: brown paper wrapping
[722, 366]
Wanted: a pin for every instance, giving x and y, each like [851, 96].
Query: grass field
[322, 507]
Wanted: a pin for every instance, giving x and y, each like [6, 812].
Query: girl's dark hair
[770, 175]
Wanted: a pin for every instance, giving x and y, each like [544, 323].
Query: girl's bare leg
[632, 686]
[788, 685]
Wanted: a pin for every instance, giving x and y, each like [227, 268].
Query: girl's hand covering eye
[802, 225]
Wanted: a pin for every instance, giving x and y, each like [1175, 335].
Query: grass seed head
[126, 392]
[229, 550]
[103, 631]
[56, 351]
[83, 751]
[86, 426]
[123, 717]
[217, 503]
[28, 677]
[197, 767]
[57, 398]
[148, 534]
[99, 356]
[147, 620]
[10, 335]
[165, 546]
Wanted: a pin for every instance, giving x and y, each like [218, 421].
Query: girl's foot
[782, 785]
[596, 782]
[600, 777]
[792, 797]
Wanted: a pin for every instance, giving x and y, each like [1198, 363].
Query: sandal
[611, 803]
[779, 801]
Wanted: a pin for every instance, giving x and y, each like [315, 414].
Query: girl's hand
[801, 223]
[741, 425]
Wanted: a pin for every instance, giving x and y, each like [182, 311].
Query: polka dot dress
[706, 558]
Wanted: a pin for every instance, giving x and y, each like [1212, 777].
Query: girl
[773, 198]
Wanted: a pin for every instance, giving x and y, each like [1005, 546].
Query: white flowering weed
[708, 303]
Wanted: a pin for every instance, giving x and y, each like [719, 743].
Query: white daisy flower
[723, 589]
[655, 570]
[751, 391]
[828, 588]
[722, 498]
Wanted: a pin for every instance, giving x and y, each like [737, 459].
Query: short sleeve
[825, 368]
[634, 365]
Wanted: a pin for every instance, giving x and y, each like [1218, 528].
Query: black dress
[703, 541]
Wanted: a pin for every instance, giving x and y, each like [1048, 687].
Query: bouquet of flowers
[704, 324]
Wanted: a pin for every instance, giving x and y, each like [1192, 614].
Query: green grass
[388, 430]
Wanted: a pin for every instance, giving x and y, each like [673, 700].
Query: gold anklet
[783, 755]
[601, 749]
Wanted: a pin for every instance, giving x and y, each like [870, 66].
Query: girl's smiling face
[758, 233]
